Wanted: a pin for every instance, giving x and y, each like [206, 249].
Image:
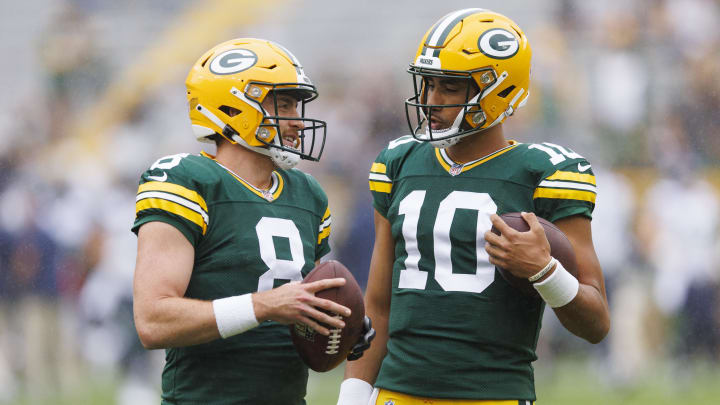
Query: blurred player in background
[220, 237]
[449, 327]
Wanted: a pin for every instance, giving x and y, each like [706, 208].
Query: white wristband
[559, 288]
[355, 391]
[537, 276]
[234, 315]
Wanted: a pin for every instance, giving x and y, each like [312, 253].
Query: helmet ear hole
[507, 91]
[229, 111]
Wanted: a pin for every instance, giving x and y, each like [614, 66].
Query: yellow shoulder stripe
[565, 194]
[380, 186]
[172, 207]
[378, 168]
[175, 189]
[327, 214]
[572, 176]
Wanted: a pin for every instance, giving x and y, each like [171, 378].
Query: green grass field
[569, 382]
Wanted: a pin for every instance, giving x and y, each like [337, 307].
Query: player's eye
[452, 87]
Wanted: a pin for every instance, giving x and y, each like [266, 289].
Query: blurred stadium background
[94, 93]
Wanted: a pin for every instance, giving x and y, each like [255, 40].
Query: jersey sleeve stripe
[176, 199]
[564, 194]
[324, 228]
[572, 176]
[380, 177]
[378, 168]
[380, 187]
[325, 224]
[175, 189]
[324, 234]
[172, 207]
[568, 184]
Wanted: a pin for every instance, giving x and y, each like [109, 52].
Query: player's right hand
[296, 303]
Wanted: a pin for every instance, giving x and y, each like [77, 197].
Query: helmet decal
[233, 61]
[498, 43]
[441, 30]
[302, 77]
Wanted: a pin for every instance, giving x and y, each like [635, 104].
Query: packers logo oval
[498, 43]
[233, 61]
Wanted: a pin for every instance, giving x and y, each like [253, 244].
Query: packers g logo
[498, 43]
[233, 61]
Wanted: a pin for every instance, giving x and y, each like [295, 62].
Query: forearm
[368, 366]
[587, 315]
[175, 321]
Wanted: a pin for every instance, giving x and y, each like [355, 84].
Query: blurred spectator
[626, 352]
[29, 296]
[75, 71]
[681, 225]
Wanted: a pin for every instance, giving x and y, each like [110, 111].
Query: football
[323, 353]
[560, 248]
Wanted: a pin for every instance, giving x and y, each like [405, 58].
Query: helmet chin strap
[284, 160]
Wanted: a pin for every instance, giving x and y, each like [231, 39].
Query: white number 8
[283, 269]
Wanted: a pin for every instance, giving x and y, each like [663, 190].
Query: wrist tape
[355, 391]
[559, 288]
[234, 315]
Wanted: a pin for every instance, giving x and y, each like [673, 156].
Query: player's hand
[368, 334]
[296, 302]
[521, 253]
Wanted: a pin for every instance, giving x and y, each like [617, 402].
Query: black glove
[368, 334]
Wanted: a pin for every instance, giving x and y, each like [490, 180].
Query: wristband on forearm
[559, 288]
[234, 315]
[354, 391]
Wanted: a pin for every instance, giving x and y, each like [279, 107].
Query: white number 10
[412, 276]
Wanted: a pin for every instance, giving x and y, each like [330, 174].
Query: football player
[449, 327]
[224, 240]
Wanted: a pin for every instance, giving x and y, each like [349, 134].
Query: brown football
[560, 248]
[323, 353]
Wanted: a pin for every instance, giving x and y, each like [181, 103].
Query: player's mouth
[436, 124]
[291, 141]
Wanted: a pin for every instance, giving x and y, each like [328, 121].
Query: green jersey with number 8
[245, 240]
[456, 328]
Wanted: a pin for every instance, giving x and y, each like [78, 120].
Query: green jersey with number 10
[456, 328]
[245, 240]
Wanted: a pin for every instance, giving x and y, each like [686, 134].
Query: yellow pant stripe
[387, 397]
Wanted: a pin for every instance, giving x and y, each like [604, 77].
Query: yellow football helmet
[484, 47]
[227, 86]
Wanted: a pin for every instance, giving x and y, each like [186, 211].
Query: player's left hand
[521, 253]
[368, 334]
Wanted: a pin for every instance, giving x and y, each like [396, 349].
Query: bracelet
[559, 288]
[355, 391]
[234, 315]
[537, 276]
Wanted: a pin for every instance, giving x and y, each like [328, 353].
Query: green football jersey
[245, 240]
[457, 329]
